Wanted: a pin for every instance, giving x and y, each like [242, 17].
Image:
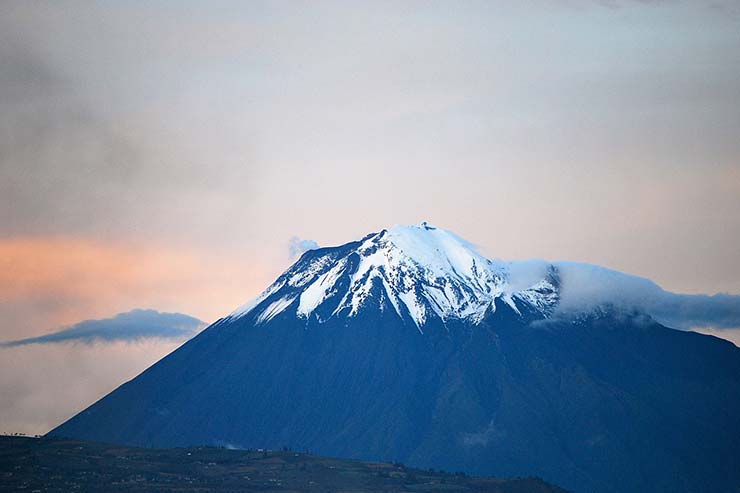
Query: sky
[177, 155]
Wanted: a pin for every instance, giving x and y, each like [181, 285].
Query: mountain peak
[419, 272]
[438, 251]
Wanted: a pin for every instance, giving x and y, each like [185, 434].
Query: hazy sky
[170, 154]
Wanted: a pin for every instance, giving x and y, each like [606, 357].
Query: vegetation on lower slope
[44, 465]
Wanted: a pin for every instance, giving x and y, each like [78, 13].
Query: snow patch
[275, 308]
[317, 291]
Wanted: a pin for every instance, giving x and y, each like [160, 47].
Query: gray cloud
[297, 246]
[135, 325]
[155, 121]
[56, 156]
[88, 131]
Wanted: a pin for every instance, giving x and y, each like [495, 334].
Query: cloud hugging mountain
[585, 285]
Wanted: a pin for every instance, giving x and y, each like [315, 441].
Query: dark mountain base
[30, 464]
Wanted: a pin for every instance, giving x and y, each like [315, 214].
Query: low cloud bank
[586, 285]
[130, 326]
[691, 311]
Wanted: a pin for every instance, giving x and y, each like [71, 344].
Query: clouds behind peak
[585, 285]
[131, 326]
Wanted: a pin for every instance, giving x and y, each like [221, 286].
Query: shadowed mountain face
[354, 353]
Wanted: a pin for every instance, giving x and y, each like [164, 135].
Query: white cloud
[298, 247]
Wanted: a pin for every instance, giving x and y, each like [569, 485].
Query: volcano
[410, 346]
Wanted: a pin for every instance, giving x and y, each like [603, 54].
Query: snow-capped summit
[418, 271]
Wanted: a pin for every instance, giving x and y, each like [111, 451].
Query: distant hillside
[30, 464]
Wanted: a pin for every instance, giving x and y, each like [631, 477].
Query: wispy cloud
[130, 326]
[298, 247]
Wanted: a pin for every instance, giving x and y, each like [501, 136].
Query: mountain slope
[408, 346]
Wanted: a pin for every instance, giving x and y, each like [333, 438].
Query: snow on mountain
[421, 271]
